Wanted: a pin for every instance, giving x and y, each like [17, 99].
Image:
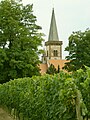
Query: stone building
[53, 51]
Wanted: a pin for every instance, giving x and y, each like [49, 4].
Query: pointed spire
[53, 34]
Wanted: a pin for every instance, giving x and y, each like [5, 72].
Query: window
[55, 53]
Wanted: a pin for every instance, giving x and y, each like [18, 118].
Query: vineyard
[61, 96]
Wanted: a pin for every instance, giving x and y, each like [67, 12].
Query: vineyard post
[78, 111]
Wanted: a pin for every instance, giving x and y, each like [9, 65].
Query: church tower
[53, 45]
[53, 51]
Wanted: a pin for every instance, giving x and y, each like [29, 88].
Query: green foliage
[52, 70]
[51, 97]
[82, 80]
[79, 50]
[19, 41]
[40, 98]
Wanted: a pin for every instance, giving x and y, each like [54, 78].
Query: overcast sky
[71, 15]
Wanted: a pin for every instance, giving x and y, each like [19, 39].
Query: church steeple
[53, 45]
[53, 48]
[53, 34]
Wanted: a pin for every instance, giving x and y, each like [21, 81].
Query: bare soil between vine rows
[5, 115]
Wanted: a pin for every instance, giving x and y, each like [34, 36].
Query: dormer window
[55, 53]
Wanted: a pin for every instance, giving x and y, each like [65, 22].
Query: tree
[51, 70]
[79, 50]
[58, 69]
[82, 81]
[19, 41]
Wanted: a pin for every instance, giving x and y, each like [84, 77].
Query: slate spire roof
[53, 34]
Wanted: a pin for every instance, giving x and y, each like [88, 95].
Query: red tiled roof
[61, 63]
[44, 67]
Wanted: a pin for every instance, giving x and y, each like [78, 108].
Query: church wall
[55, 47]
[50, 52]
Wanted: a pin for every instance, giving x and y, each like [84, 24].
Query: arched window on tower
[55, 53]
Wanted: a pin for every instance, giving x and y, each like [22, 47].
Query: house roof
[61, 63]
[44, 67]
